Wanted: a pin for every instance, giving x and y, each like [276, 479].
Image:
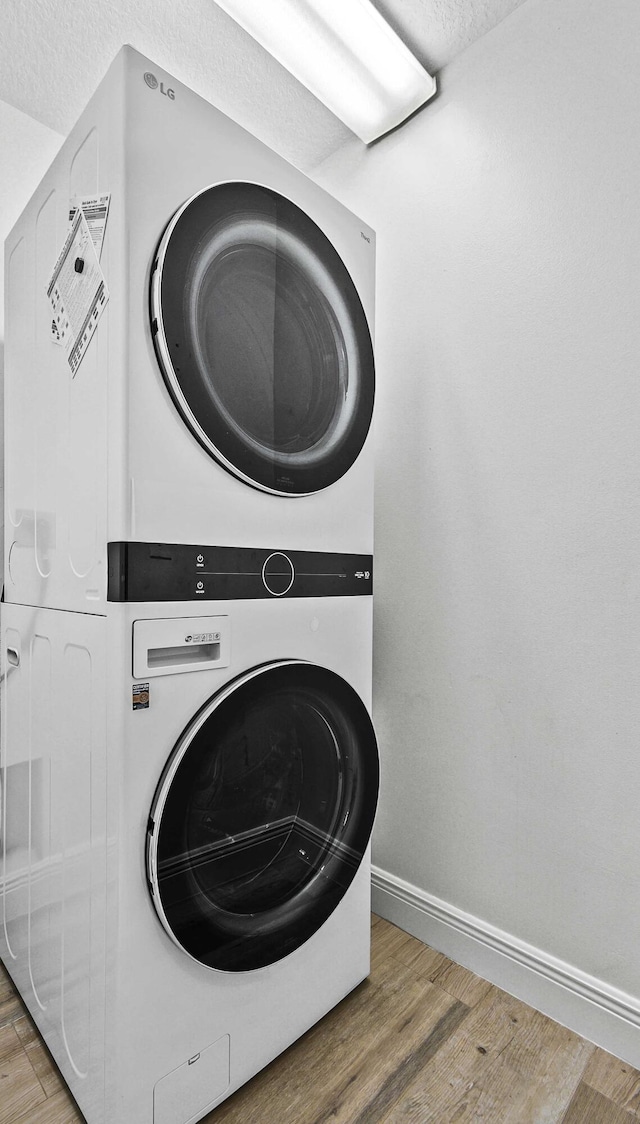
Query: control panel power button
[278, 574]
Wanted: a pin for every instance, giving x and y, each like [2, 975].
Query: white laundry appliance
[188, 792]
[226, 394]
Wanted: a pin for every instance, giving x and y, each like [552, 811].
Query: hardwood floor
[422, 1040]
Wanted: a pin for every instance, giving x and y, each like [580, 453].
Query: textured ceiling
[438, 30]
[54, 52]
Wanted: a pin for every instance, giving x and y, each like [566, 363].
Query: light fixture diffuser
[345, 53]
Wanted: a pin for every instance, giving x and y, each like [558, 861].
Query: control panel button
[278, 574]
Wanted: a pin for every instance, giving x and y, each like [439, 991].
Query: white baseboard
[587, 1005]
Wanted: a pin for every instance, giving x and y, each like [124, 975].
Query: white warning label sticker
[77, 291]
[95, 209]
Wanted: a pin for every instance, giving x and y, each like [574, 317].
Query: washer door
[262, 339]
[262, 815]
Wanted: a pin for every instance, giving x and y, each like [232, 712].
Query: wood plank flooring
[422, 1041]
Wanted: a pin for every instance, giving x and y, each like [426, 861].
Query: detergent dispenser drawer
[167, 647]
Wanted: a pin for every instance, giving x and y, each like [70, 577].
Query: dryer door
[262, 815]
[262, 339]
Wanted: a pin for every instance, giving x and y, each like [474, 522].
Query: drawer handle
[13, 657]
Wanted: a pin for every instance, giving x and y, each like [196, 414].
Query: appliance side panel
[54, 835]
[112, 173]
[119, 699]
[85, 470]
[56, 423]
[44, 412]
[44, 870]
[79, 812]
[20, 437]
[14, 791]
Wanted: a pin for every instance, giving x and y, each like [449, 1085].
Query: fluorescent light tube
[345, 53]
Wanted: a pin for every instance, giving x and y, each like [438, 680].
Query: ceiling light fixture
[345, 53]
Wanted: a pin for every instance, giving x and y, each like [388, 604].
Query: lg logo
[153, 84]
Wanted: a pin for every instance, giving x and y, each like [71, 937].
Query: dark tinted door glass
[262, 339]
[264, 822]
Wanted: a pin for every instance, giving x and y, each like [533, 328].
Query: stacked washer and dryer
[189, 769]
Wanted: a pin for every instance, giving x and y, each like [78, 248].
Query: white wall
[507, 677]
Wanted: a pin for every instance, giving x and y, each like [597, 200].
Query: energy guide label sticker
[77, 291]
[140, 696]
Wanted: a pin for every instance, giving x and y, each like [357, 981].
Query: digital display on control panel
[178, 572]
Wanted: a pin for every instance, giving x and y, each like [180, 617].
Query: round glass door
[262, 815]
[262, 339]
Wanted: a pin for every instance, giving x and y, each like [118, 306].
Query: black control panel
[141, 571]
